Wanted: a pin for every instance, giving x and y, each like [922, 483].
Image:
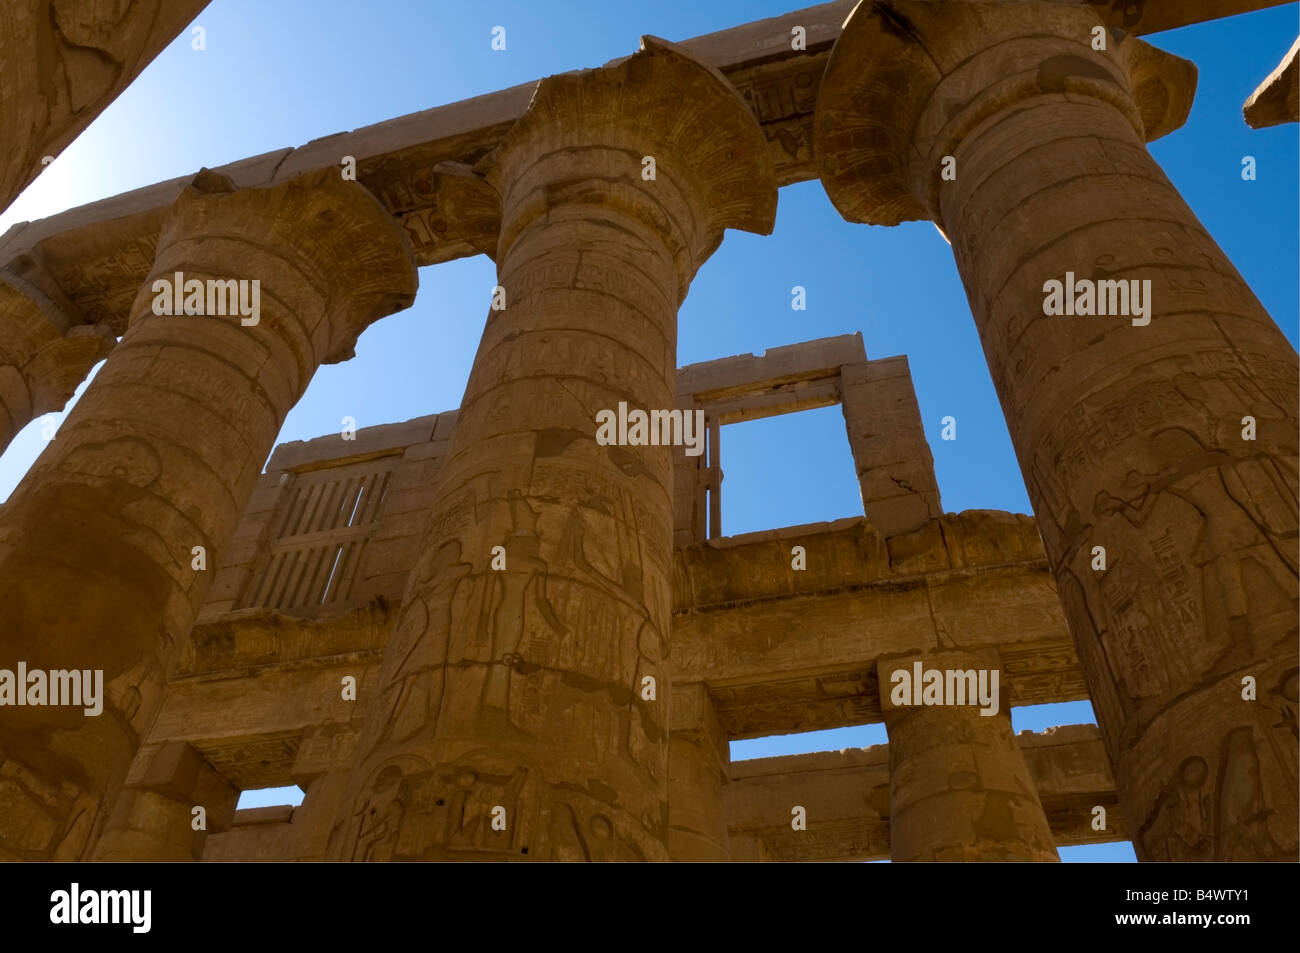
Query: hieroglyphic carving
[62, 64]
[1217, 813]
[783, 96]
[799, 703]
[254, 763]
[410, 811]
[829, 840]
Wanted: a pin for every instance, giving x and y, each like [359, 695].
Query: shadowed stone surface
[160, 456]
[44, 355]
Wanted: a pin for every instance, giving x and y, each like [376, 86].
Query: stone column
[959, 787]
[154, 817]
[44, 354]
[97, 564]
[62, 63]
[698, 756]
[1131, 429]
[523, 708]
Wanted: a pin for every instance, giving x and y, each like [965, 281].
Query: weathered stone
[155, 817]
[698, 756]
[104, 249]
[1277, 99]
[959, 787]
[159, 457]
[1129, 433]
[62, 63]
[846, 798]
[44, 355]
[485, 634]
[523, 712]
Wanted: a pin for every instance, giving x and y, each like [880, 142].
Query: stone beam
[784, 650]
[846, 797]
[780, 650]
[100, 253]
[258, 696]
[62, 63]
[778, 381]
[262, 673]
[1277, 100]
[258, 673]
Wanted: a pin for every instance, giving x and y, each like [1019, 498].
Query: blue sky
[279, 73]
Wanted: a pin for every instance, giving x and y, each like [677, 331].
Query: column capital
[44, 353]
[341, 246]
[909, 80]
[160, 456]
[586, 136]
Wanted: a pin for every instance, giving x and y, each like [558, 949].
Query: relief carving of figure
[1232, 536]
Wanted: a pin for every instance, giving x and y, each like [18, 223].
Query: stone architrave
[61, 63]
[98, 563]
[959, 785]
[523, 702]
[1165, 436]
[1277, 99]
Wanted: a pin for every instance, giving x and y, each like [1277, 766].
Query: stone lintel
[781, 399]
[785, 650]
[62, 64]
[1277, 98]
[729, 379]
[775, 659]
[333, 449]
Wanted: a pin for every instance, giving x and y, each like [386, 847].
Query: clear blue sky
[282, 73]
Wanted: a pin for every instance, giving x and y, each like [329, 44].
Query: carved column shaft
[1130, 428]
[959, 787]
[62, 63]
[1137, 447]
[98, 568]
[524, 708]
